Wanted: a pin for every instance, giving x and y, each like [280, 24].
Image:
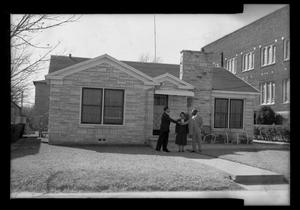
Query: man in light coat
[195, 126]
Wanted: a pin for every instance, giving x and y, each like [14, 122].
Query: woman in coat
[181, 132]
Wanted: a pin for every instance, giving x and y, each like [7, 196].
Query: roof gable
[90, 63]
[174, 80]
[150, 69]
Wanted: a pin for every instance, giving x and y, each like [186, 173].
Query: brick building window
[286, 49]
[91, 105]
[231, 65]
[267, 93]
[286, 90]
[268, 55]
[97, 107]
[228, 113]
[236, 113]
[113, 106]
[248, 61]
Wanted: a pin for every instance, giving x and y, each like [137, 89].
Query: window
[236, 113]
[91, 108]
[221, 113]
[94, 101]
[161, 100]
[232, 116]
[286, 90]
[286, 49]
[231, 65]
[248, 61]
[268, 55]
[113, 106]
[267, 93]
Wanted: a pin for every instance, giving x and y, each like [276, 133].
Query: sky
[127, 37]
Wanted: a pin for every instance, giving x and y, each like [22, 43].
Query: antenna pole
[154, 40]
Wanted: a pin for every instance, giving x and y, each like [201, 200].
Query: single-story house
[105, 100]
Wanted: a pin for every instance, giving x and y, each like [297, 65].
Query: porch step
[244, 174]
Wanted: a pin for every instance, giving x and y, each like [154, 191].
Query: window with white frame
[231, 65]
[286, 90]
[268, 55]
[248, 61]
[286, 49]
[267, 93]
[102, 105]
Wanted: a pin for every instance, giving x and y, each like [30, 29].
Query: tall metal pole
[154, 40]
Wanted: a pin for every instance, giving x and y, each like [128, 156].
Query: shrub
[278, 119]
[265, 116]
[17, 131]
[272, 133]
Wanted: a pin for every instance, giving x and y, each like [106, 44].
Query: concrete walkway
[274, 197]
[242, 173]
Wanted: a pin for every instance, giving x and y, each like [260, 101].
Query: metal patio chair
[206, 132]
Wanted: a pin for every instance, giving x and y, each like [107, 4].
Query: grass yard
[39, 167]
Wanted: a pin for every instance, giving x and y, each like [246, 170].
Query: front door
[160, 101]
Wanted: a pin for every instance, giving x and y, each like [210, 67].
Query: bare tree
[23, 62]
[145, 57]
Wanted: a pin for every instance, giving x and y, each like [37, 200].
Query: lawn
[39, 167]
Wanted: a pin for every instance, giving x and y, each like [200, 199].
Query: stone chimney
[196, 69]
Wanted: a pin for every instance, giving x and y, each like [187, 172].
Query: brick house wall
[64, 112]
[196, 69]
[177, 104]
[271, 29]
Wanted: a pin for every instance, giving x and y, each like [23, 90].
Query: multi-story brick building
[259, 53]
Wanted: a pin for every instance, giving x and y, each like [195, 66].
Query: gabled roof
[222, 79]
[175, 80]
[151, 69]
[105, 58]
[226, 81]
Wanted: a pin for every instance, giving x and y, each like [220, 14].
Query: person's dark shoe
[192, 151]
[158, 150]
[166, 150]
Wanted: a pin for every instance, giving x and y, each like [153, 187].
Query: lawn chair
[206, 132]
[236, 137]
[247, 136]
[229, 136]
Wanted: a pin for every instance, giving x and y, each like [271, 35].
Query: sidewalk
[273, 197]
[242, 173]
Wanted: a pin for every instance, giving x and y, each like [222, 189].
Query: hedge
[17, 131]
[272, 132]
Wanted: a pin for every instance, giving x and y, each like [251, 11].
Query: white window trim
[89, 125]
[265, 55]
[286, 91]
[285, 50]
[245, 58]
[231, 65]
[268, 91]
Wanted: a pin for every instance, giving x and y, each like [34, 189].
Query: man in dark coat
[164, 130]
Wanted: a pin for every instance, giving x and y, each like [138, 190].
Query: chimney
[196, 68]
[70, 55]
